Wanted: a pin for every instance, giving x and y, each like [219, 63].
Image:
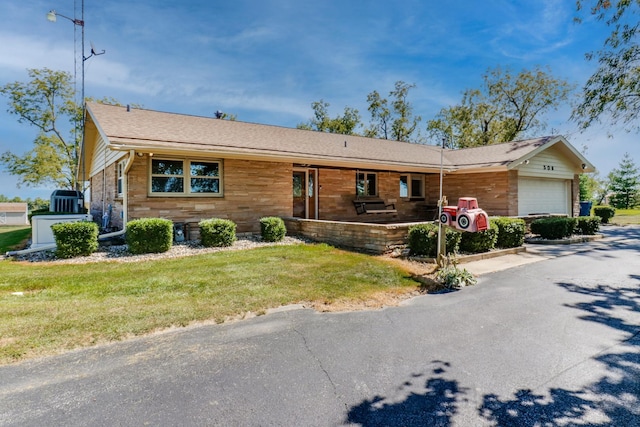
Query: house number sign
[547, 167]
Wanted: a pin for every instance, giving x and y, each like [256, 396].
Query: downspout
[125, 198]
[125, 180]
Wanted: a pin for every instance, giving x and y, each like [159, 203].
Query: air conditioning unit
[70, 201]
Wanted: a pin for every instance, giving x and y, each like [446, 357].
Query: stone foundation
[366, 237]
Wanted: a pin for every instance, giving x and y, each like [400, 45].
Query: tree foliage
[624, 184]
[344, 124]
[393, 119]
[613, 91]
[505, 108]
[46, 102]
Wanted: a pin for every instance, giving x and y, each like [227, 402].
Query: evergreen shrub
[216, 232]
[423, 240]
[479, 241]
[75, 238]
[511, 232]
[149, 235]
[553, 228]
[604, 212]
[272, 229]
[587, 225]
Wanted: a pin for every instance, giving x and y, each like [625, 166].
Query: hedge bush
[272, 229]
[604, 212]
[75, 238]
[553, 228]
[217, 232]
[511, 232]
[480, 241]
[587, 225]
[149, 235]
[423, 240]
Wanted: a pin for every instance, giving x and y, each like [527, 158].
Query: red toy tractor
[467, 216]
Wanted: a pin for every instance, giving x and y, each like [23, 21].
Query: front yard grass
[48, 308]
[626, 217]
[13, 237]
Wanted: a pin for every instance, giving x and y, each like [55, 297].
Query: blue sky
[266, 61]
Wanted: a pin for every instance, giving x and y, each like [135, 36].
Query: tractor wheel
[464, 221]
[444, 218]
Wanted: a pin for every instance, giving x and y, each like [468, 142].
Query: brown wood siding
[251, 190]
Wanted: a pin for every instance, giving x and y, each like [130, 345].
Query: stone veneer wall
[373, 238]
[251, 190]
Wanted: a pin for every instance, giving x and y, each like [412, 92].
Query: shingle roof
[13, 207]
[148, 130]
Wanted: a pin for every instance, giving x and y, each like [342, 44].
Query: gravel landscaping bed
[120, 253]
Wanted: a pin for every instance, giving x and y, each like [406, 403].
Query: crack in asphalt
[318, 361]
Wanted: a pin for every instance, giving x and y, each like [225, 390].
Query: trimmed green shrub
[423, 239]
[511, 232]
[587, 225]
[216, 232]
[480, 241]
[604, 212]
[272, 229]
[553, 228]
[149, 235]
[75, 238]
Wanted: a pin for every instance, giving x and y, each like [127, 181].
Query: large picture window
[366, 184]
[180, 177]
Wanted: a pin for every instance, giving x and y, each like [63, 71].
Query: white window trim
[186, 167]
[120, 178]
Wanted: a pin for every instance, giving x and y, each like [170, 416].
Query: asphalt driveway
[555, 342]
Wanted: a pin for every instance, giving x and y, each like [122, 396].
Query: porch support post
[441, 250]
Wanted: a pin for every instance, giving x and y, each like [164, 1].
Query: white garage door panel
[537, 195]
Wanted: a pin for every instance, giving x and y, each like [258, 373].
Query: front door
[305, 193]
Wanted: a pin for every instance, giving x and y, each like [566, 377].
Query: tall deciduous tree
[395, 119]
[613, 91]
[624, 184]
[505, 108]
[46, 102]
[344, 124]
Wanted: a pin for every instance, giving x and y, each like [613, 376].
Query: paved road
[555, 342]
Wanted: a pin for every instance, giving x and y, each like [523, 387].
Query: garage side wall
[497, 192]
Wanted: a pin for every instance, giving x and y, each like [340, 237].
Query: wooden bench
[374, 206]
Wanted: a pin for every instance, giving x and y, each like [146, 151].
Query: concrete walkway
[612, 235]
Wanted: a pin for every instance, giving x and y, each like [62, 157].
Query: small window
[170, 176]
[417, 186]
[120, 178]
[412, 186]
[366, 184]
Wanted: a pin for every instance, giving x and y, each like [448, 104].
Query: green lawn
[13, 237]
[626, 217]
[49, 308]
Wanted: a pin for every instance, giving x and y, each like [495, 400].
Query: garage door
[539, 195]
